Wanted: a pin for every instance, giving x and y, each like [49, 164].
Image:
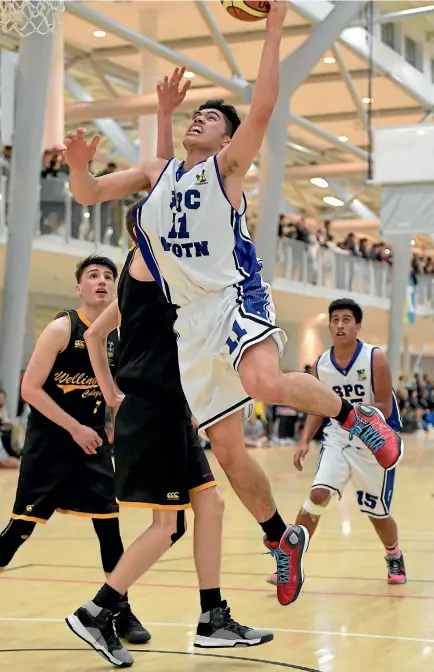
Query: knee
[260, 383]
[209, 504]
[171, 525]
[229, 456]
[320, 496]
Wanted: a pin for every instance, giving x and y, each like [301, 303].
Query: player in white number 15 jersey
[360, 373]
[193, 237]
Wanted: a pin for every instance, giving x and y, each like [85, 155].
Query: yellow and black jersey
[71, 382]
[148, 356]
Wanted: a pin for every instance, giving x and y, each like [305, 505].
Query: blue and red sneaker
[368, 424]
[289, 559]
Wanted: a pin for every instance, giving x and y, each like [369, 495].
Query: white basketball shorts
[213, 332]
[340, 461]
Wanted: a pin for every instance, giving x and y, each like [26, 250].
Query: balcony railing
[61, 216]
[323, 267]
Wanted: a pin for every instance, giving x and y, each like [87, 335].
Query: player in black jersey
[66, 461]
[159, 464]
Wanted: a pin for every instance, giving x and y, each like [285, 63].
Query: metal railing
[60, 215]
[324, 267]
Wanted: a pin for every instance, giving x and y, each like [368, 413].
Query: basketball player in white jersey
[360, 373]
[194, 240]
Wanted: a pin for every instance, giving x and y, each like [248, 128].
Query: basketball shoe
[217, 629]
[395, 569]
[289, 559]
[129, 627]
[368, 424]
[96, 626]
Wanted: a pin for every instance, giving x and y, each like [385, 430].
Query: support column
[148, 84]
[294, 70]
[55, 112]
[400, 273]
[33, 79]
[271, 175]
[406, 363]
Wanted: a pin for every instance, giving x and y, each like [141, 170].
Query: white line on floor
[330, 633]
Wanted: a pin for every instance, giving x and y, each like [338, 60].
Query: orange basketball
[246, 10]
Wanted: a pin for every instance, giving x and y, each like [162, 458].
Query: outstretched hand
[170, 95]
[77, 152]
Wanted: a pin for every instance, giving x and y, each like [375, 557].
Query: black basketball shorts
[158, 458]
[56, 475]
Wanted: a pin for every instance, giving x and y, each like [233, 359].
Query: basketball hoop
[30, 16]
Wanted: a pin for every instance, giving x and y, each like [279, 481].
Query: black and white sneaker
[129, 627]
[216, 629]
[96, 626]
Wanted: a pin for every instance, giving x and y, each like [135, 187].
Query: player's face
[207, 131]
[343, 327]
[97, 286]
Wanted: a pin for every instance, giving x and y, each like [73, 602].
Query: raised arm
[236, 158]
[51, 342]
[96, 341]
[88, 189]
[170, 96]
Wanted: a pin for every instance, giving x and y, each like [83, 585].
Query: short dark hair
[228, 111]
[95, 260]
[347, 304]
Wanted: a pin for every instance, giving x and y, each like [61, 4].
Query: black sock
[275, 527]
[343, 414]
[107, 598]
[210, 599]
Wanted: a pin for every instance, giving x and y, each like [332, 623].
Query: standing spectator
[350, 244]
[363, 248]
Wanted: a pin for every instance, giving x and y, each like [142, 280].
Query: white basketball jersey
[354, 383]
[191, 238]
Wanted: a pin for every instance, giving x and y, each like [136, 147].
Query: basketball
[246, 10]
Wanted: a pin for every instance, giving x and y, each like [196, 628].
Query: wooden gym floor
[346, 620]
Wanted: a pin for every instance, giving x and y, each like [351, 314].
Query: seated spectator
[7, 461]
[254, 432]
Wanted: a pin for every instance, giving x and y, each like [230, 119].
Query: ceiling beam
[385, 59]
[218, 38]
[134, 106]
[405, 14]
[143, 42]
[109, 127]
[376, 114]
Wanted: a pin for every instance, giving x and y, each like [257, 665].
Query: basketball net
[30, 16]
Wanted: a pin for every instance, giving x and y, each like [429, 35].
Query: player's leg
[375, 488]
[216, 627]
[147, 475]
[12, 537]
[95, 621]
[108, 532]
[35, 500]
[286, 544]
[262, 379]
[331, 476]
